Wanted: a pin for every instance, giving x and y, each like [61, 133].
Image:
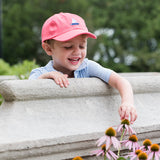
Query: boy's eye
[81, 47]
[68, 47]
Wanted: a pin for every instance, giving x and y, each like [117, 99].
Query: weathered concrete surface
[39, 120]
[7, 77]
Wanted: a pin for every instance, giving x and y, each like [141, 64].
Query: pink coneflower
[77, 158]
[154, 152]
[125, 126]
[109, 138]
[99, 152]
[108, 153]
[142, 156]
[132, 142]
[135, 154]
[146, 145]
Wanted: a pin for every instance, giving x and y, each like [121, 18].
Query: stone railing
[41, 121]
[7, 77]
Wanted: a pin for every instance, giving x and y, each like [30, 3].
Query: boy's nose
[77, 51]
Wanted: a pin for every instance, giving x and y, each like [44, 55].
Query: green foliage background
[21, 70]
[128, 32]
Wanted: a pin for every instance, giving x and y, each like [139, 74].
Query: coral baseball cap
[63, 27]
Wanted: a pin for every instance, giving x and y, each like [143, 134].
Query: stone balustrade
[7, 77]
[41, 121]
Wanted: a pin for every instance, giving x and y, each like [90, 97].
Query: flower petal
[126, 127]
[108, 142]
[113, 154]
[151, 155]
[108, 156]
[95, 151]
[133, 157]
[137, 145]
[100, 141]
[131, 130]
[119, 128]
[130, 145]
[156, 155]
[134, 146]
[115, 142]
[124, 142]
[101, 152]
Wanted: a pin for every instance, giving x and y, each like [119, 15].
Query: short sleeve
[96, 70]
[35, 73]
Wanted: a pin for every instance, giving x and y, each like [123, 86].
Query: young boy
[64, 38]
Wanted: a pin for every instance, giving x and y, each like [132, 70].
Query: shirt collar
[49, 66]
[83, 65]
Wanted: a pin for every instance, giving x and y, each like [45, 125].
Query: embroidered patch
[74, 22]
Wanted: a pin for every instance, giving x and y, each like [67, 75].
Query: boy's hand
[126, 111]
[59, 78]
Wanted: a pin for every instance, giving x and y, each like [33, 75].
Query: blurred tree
[128, 31]
[22, 26]
[128, 34]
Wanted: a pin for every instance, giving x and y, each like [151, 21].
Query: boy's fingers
[133, 115]
[66, 75]
[122, 112]
[127, 112]
[60, 82]
[65, 82]
[56, 80]
[60, 79]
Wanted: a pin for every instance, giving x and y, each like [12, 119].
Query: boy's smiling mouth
[74, 61]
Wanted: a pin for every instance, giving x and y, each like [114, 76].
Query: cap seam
[68, 31]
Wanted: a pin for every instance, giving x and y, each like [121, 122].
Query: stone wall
[41, 121]
[7, 77]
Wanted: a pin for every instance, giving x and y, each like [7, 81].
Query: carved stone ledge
[39, 120]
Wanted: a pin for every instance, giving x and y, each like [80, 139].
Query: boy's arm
[59, 78]
[126, 108]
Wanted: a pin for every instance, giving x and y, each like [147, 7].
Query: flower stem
[121, 140]
[105, 158]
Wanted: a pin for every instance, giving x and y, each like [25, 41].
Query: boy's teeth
[73, 59]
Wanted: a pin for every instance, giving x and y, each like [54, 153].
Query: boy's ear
[47, 48]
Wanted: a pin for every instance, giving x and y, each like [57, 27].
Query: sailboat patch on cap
[74, 22]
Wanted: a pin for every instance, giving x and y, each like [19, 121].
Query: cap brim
[73, 33]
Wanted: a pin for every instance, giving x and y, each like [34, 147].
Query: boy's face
[69, 55]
